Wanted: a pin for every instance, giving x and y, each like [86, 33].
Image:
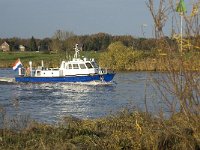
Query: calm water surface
[51, 102]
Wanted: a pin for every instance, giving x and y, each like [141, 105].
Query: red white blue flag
[17, 64]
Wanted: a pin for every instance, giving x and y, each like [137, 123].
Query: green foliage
[127, 40]
[70, 43]
[96, 42]
[32, 44]
[56, 45]
[120, 57]
[44, 44]
[65, 41]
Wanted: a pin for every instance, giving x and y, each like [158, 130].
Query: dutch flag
[17, 64]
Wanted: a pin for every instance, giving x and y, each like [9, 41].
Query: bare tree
[59, 39]
[182, 80]
[160, 17]
[191, 26]
[62, 35]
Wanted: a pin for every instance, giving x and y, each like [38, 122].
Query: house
[22, 48]
[5, 47]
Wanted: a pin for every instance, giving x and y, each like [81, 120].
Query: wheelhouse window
[82, 66]
[69, 66]
[89, 65]
[75, 66]
[38, 73]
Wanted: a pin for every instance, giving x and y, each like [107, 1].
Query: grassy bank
[127, 130]
[141, 62]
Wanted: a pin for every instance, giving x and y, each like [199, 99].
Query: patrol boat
[75, 70]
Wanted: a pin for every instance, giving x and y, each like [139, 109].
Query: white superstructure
[75, 67]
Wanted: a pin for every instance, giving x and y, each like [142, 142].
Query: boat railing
[106, 71]
[103, 71]
[21, 71]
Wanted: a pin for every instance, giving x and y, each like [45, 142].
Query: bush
[119, 57]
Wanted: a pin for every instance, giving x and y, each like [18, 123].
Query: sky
[41, 18]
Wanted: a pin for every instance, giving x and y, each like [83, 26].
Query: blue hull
[104, 77]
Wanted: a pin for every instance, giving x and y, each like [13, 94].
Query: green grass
[7, 59]
[50, 59]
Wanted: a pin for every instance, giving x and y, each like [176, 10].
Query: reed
[125, 130]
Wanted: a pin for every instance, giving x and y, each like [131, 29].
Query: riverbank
[146, 62]
[119, 57]
[126, 130]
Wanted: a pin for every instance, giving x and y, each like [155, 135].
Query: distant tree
[127, 40]
[60, 41]
[103, 40]
[32, 44]
[63, 35]
[99, 41]
[44, 44]
[57, 45]
[14, 43]
[71, 41]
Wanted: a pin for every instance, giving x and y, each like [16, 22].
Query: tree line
[63, 41]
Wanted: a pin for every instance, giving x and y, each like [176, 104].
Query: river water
[51, 102]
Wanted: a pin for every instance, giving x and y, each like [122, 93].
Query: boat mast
[76, 51]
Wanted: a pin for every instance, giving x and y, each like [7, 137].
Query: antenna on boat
[76, 51]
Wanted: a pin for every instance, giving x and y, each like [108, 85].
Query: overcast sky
[41, 18]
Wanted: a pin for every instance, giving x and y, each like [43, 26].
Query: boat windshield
[94, 64]
[88, 65]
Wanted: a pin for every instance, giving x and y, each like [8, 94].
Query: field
[7, 59]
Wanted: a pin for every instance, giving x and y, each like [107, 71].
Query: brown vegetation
[119, 57]
[127, 130]
[178, 128]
